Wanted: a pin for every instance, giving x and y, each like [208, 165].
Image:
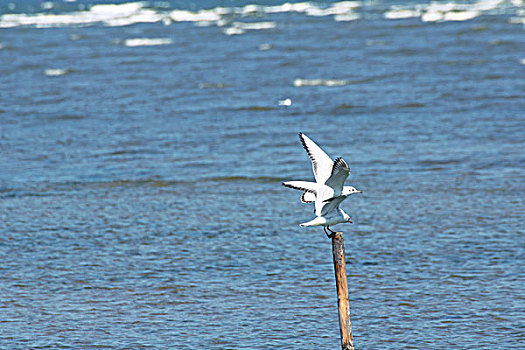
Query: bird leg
[328, 235]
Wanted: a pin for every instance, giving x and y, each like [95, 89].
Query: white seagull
[328, 191]
[335, 216]
[327, 172]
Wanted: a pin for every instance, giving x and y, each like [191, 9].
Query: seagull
[329, 195]
[327, 211]
[328, 191]
[335, 216]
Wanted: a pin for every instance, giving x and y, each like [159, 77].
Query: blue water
[140, 195]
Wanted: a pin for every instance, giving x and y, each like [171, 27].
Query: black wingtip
[340, 163]
[303, 200]
[287, 185]
[303, 142]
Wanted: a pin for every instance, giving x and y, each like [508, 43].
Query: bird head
[348, 190]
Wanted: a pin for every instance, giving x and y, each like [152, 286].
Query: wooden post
[343, 302]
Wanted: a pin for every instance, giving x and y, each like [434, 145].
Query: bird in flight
[328, 190]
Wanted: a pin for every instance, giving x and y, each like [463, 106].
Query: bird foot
[331, 234]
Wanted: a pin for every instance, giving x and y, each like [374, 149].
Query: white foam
[442, 12]
[460, 15]
[436, 11]
[451, 14]
[250, 9]
[261, 47]
[440, 7]
[109, 14]
[233, 31]
[319, 82]
[308, 8]
[486, 5]
[147, 42]
[347, 5]
[341, 8]
[517, 20]
[143, 16]
[241, 27]
[397, 13]
[117, 9]
[432, 17]
[140, 12]
[342, 11]
[347, 17]
[55, 72]
[318, 12]
[205, 23]
[47, 5]
[286, 102]
[300, 7]
[200, 16]
[255, 25]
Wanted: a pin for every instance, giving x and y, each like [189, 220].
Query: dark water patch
[54, 189]
[467, 61]
[62, 188]
[214, 85]
[350, 108]
[409, 24]
[22, 193]
[493, 76]
[131, 152]
[430, 162]
[138, 61]
[479, 28]
[408, 51]
[259, 179]
[412, 105]
[128, 152]
[66, 117]
[257, 108]
[503, 42]
[434, 169]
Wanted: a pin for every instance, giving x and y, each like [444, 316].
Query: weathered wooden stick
[343, 302]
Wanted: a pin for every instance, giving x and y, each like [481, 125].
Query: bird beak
[359, 192]
[350, 221]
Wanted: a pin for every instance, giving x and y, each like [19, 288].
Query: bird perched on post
[328, 190]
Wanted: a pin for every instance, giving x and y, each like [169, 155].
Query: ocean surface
[143, 146]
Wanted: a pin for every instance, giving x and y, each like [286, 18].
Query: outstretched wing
[321, 162]
[338, 176]
[306, 186]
